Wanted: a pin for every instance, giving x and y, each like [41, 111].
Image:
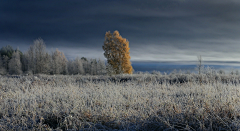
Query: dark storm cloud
[160, 29]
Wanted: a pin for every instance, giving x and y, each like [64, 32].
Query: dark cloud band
[185, 28]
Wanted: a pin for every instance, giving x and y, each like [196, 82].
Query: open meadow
[124, 102]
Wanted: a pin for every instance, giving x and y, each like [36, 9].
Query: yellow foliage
[117, 53]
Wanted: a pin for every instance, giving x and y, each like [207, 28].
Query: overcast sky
[157, 30]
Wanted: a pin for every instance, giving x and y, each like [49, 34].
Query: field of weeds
[126, 102]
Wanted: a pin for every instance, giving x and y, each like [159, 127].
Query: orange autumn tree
[117, 53]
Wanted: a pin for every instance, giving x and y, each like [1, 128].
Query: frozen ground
[134, 102]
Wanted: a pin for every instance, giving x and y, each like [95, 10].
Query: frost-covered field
[137, 102]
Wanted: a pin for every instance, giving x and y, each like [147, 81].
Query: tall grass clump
[178, 101]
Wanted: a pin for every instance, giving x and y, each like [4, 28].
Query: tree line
[36, 60]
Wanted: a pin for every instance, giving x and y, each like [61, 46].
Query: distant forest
[36, 60]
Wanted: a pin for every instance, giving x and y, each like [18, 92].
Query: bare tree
[70, 67]
[199, 66]
[2, 69]
[93, 66]
[101, 67]
[40, 52]
[15, 65]
[78, 66]
[5, 62]
[36, 58]
[59, 63]
[25, 63]
[30, 59]
[47, 63]
[75, 66]
[86, 65]
[200, 69]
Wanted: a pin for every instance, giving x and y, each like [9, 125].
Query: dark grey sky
[158, 30]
